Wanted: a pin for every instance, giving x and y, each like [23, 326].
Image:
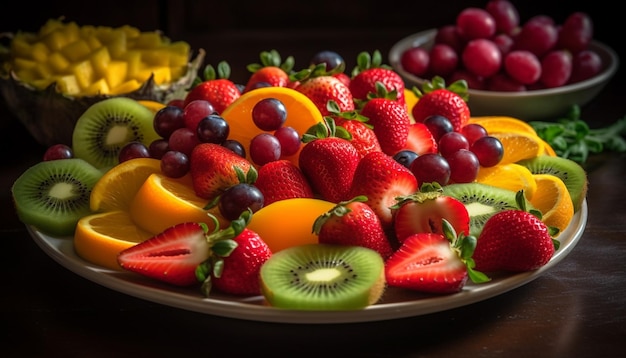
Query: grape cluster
[181, 129]
[492, 50]
[277, 141]
[460, 154]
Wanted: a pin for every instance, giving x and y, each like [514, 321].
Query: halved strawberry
[434, 263]
[382, 179]
[423, 212]
[420, 139]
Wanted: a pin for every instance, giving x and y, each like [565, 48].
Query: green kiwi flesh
[106, 126]
[323, 277]
[482, 201]
[572, 174]
[53, 195]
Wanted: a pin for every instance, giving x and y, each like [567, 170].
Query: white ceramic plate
[396, 303]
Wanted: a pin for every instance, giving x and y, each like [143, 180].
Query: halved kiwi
[482, 201]
[323, 277]
[53, 195]
[572, 174]
[106, 126]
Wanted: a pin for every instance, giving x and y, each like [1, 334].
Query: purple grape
[174, 164]
[239, 198]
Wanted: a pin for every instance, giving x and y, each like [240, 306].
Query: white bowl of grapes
[531, 70]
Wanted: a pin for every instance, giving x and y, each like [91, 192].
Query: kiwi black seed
[482, 201]
[53, 195]
[323, 277]
[572, 174]
[106, 126]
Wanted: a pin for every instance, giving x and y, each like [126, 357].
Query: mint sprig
[572, 138]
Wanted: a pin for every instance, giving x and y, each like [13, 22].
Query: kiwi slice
[482, 201]
[323, 277]
[106, 126]
[572, 174]
[53, 195]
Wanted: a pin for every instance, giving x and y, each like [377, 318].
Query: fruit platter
[306, 195]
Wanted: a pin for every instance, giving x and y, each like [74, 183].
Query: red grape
[264, 148]
[132, 150]
[473, 131]
[452, 142]
[576, 32]
[523, 66]
[167, 120]
[289, 139]
[415, 60]
[449, 35]
[537, 37]
[488, 150]
[464, 166]
[585, 64]
[475, 23]
[556, 68]
[183, 140]
[58, 151]
[213, 129]
[269, 114]
[482, 57]
[195, 110]
[158, 147]
[174, 164]
[502, 82]
[443, 60]
[431, 167]
[504, 14]
[438, 125]
[239, 198]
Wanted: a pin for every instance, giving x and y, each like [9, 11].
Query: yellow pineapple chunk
[148, 40]
[161, 75]
[51, 25]
[133, 59]
[21, 46]
[158, 57]
[100, 60]
[57, 62]
[84, 73]
[68, 85]
[126, 87]
[43, 70]
[93, 43]
[131, 32]
[27, 74]
[116, 73]
[116, 42]
[39, 52]
[76, 51]
[100, 87]
[20, 64]
[72, 31]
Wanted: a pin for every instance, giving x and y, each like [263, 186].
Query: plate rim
[253, 308]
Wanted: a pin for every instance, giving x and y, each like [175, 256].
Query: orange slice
[553, 200]
[154, 106]
[518, 146]
[411, 99]
[162, 202]
[289, 222]
[100, 237]
[117, 187]
[509, 176]
[503, 124]
[301, 114]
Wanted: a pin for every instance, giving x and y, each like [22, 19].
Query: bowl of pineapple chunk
[51, 76]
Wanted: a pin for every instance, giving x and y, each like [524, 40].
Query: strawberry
[328, 161]
[281, 179]
[514, 240]
[434, 263]
[423, 211]
[214, 168]
[322, 87]
[370, 71]
[420, 139]
[343, 77]
[184, 254]
[362, 136]
[390, 121]
[436, 98]
[270, 71]
[353, 222]
[215, 88]
[381, 179]
[240, 272]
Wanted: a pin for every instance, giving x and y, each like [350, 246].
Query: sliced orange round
[117, 187]
[100, 237]
[553, 200]
[289, 222]
[301, 114]
[503, 124]
[510, 176]
[518, 146]
[162, 202]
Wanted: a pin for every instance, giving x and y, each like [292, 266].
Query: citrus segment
[547, 149]
[552, 198]
[509, 176]
[289, 222]
[162, 202]
[503, 124]
[100, 237]
[411, 99]
[154, 106]
[518, 146]
[301, 114]
[117, 187]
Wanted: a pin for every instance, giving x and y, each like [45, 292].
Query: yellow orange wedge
[411, 99]
[289, 222]
[154, 106]
[553, 200]
[162, 202]
[301, 114]
[100, 237]
[117, 187]
[503, 124]
[510, 176]
[518, 146]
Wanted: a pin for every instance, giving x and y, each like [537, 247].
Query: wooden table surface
[575, 309]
